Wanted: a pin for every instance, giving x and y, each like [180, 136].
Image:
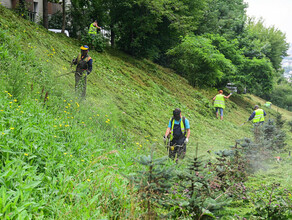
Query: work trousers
[178, 148]
[80, 83]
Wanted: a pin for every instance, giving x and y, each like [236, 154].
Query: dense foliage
[210, 42]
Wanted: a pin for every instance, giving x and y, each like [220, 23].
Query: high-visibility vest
[219, 101]
[182, 127]
[92, 29]
[268, 104]
[259, 116]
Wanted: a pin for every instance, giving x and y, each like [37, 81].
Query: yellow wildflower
[15, 100]
[82, 160]
[88, 180]
[65, 153]
[26, 154]
[12, 128]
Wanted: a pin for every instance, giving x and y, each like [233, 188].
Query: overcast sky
[274, 12]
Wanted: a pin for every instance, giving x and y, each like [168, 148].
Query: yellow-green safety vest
[182, 127]
[92, 29]
[259, 116]
[219, 101]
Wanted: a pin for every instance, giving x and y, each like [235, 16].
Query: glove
[186, 140]
[164, 138]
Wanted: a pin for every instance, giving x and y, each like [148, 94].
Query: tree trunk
[64, 17]
[45, 14]
[112, 36]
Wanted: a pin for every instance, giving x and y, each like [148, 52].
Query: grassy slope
[137, 95]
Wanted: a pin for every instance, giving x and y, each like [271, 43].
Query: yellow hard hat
[85, 47]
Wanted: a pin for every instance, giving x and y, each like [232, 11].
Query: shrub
[97, 42]
[199, 61]
[271, 202]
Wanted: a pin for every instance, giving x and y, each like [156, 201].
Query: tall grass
[60, 158]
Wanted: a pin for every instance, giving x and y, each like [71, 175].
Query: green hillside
[66, 159]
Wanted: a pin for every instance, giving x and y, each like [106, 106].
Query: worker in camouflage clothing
[83, 69]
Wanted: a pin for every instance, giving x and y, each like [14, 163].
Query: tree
[45, 14]
[154, 183]
[260, 75]
[63, 16]
[267, 41]
[149, 28]
[200, 62]
[224, 17]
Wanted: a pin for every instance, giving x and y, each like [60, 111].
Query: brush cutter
[243, 123]
[66, 73]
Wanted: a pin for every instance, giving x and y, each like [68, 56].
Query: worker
[93, 29]
[83, 69]
[258, 115]
[219, 103]
[258, 118]
[178, 131]
[268, 104]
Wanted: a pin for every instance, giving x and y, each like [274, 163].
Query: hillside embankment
[129, 102]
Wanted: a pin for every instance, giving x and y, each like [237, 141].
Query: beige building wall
[6, 3]
[32, 5]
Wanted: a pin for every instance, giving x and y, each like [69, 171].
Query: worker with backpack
[177, 134]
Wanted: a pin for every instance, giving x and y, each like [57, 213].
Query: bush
[199, 61]
[97, 42]
[271, 202]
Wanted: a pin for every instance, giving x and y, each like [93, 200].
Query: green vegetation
[66, 159]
